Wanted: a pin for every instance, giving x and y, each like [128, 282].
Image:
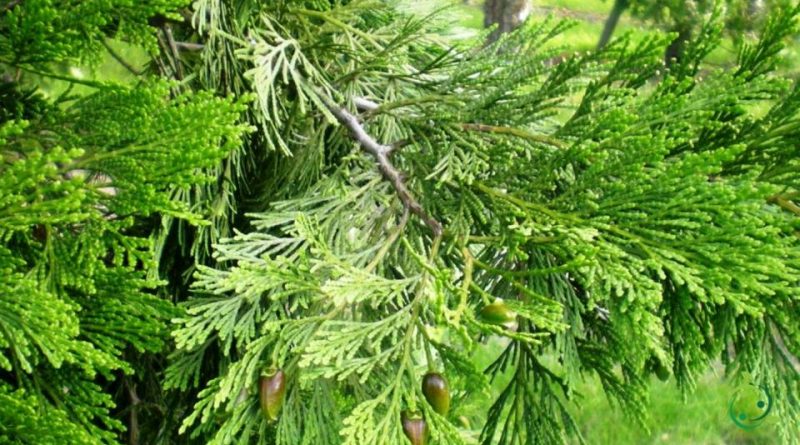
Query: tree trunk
[507, 14]
[674, 51]
[755, 7]
[611, 22]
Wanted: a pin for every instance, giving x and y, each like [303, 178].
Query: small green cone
[497, 313]
[662, 372]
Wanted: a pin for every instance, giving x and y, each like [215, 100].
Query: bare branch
[189, 46]
[133, 429]
[176, 57]
[381, 154]
[785, 203]
[781, 345]
[364, 104]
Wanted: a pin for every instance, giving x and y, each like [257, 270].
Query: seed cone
[271, 391]
[497, 313]
[662, 372]
[415, 429]
[436, 392]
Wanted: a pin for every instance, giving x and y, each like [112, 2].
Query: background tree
[619, 7]
[507, 15]
[683, 17]
[678, 16]
[84, 177]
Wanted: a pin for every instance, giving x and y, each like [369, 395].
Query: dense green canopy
[330, 189]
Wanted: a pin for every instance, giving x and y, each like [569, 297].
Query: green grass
[592, 6]
[699, 419]
[702, 419]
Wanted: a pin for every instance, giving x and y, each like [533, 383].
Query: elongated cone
[415, 429]
[436, 392]
[497, 313]
[271, 390]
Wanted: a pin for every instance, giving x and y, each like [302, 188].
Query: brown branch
[514, 132]
[162, 68]
[176, 57]
[781, 345]
[189, 46]
[161, 64]
[381, 154]
[785, 204]
[10, 5]
[133, 437]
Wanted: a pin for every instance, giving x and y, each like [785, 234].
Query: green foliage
[673, 13]
[685, 17]
[43, 31]
[742, 16]
[76, 296]
[30, 425]
[636, 221]
[637, 234]
[80, 179]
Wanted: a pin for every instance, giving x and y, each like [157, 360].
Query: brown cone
[271, 391]
[436, 392]
[415, 429]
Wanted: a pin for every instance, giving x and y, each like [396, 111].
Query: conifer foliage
[401, 202]
[636, 234]
[81, 178]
